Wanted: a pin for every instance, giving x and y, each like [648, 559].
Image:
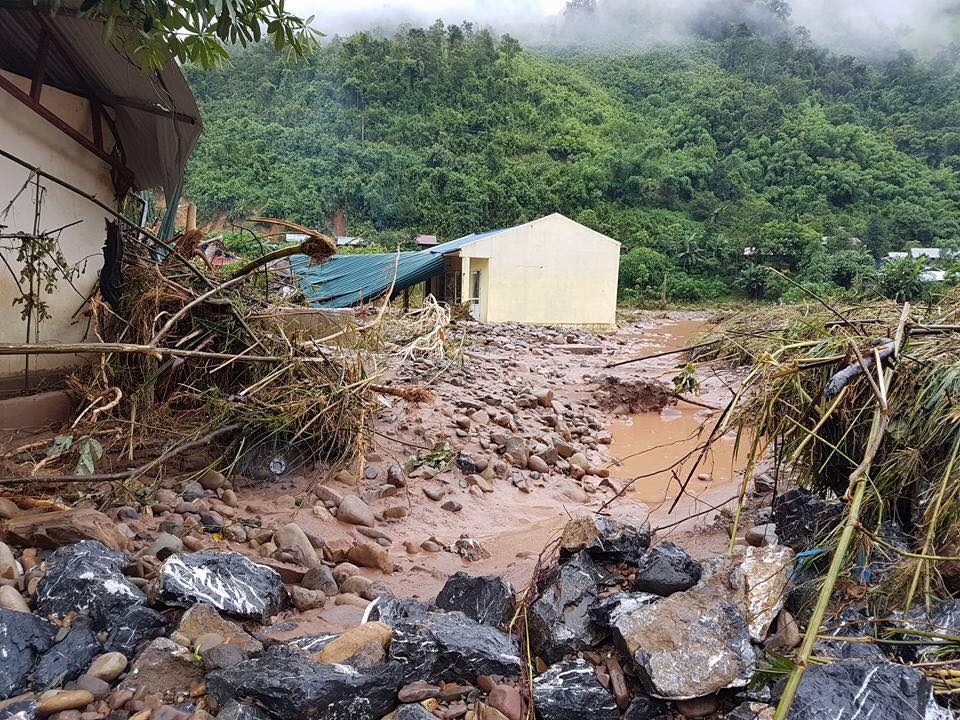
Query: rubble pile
[620, 626]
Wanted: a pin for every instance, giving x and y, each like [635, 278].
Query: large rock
[234, 710]
[228, 581]
[849, 623]
[52, 530]
[342, 648]
[451, 646]
[293, 534]
[394, 611]
[570, 691]
[559, 619]
[606, 611]
[164, 668]
[666, 570]
[134, 628]
[23, 637]
[605, 539]
[762, 576]
[802, 518]
[689, 644]
[355, 511]
[289, 685]
[87, 578]
[488, 599]
[66, 660]
[865, 689]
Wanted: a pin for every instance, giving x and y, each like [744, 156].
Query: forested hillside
[686, 154]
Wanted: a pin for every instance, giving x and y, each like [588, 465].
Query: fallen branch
[688, 348]
[125, 348]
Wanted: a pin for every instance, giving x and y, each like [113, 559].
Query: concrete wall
[30, 137]
[552, 271]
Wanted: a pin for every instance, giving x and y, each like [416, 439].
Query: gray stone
[355, 511]
[293, 534]
[760, 535]
[667, 569]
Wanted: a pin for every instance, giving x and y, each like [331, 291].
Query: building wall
[552, 271]
[30, 137]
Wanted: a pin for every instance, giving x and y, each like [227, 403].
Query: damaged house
[85, 115]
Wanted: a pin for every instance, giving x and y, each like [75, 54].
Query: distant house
[551, 271]
[929, 253]
[426, 240]
[350, 241]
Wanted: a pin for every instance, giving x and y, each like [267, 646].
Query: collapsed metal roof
[346, 280]
[154, 117]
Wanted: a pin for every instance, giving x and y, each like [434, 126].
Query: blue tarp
[347, 280]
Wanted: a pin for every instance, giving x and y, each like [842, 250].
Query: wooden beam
[54, 120]
[40, 70]
[148, 107]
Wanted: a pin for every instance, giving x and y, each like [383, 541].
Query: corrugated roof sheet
[347, 280]
[466, 240]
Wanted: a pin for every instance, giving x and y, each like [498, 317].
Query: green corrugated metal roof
[346, 280]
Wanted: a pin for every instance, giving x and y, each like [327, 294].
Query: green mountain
[686, 154]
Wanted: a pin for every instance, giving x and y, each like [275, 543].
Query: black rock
[134, 629]
[488, 599]
[943, 618]
[234, 710]
[850, 623]
[21, 710]
[288, 685]
[605, 539]
[749, 711]
[866, 689]
[223, 656]
[23, 637]
[393, 611]
[310, 644]
[605, 611]
[414, 711]
[802, 517]
[645, 708]
[67, 660]
[569, 690]
[87, 577]
[667, 569]
[560, 622]
[230, 582]
[466, 464]
[451, 646]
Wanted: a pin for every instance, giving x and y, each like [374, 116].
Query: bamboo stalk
[859, 486]
[128, 348]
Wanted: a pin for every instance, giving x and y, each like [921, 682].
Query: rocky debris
[343, 647]
[451, 646]
[226, 580]
[559, 619]
[760, 535]
[865, 688]
[67, 659]
[203, 620]
[802, 517]
[605, 539]
[355, 511]
[87, 577]
[487, 599]
[163, 668]
[51, 530]
[568, 690]
[667, 569]
[689, 644]
[289, 685]
[23, 638]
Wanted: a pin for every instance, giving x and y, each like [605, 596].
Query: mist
[867, 28]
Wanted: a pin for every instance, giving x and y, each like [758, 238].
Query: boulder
[667, 569]
[762, 576]
[52, 530]
[865, 689]
[689, 644]
[802, 517]
[559, 619]
[347, 644]
[228, 581]
[203, 619]
[393, 611]
[289, 685]
[606, 611]
[355, 511]
[66, 660]
[163, 668]
[487, 599]
[130, 631]
[293, 534]
[450, 646]
[605, 539]
[23, 637]
[87, 578]
[568, 690]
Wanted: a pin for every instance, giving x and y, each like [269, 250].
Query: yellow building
[551, 271]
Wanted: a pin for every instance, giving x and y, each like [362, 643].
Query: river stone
[54, 701]
[605, 539]
[865, 689]
[560, 621]
[8, 563]
[760, 535]
[12, 600]
[341, 648]
[414, 711]
[667, 569]
[450, 646]
[355, 511]
[569, 690]
[293, 534]
[228, 581]
[22, 638]
[137, 626]
[802, 517]
[87, 578]
[66, 660]
[203, 619]
[164, 668]
[289, 685]
[488, 599]
[108, 666]
[689, 644]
